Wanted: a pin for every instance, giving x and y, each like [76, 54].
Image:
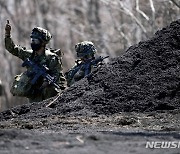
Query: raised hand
[8, 29]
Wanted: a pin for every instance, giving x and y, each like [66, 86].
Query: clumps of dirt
[145, 78]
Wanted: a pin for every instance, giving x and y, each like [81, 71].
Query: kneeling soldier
[85, 64]
[41, 89]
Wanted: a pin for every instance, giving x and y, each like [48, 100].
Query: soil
[116, 109]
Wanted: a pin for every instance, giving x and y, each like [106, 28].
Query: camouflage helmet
[42, 34]
[85, 48]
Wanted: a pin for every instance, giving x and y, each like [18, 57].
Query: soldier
[85, 64]
[40, 55]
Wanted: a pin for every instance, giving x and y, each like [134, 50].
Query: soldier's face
[86, 57]
[36, 44]
[35, 41]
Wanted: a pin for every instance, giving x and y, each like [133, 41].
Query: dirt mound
[145, 78]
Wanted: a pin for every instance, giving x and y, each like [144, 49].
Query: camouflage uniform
[85, 52]
[50, 59]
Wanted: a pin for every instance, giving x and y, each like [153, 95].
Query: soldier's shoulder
[53, 58]
[53, 52]
[25, 52]
[30, 51]
[48, 53]
[20, 47]
[58, 52]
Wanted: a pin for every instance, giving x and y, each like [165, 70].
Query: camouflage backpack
[58, 52]
[21, 86]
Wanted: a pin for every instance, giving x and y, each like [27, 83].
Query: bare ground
[117, 109]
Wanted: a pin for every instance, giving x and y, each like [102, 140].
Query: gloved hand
[8, 29]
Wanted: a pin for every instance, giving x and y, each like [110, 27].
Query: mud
[121, 105]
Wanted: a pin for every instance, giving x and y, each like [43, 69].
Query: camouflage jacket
[78, 72]
[50, 59]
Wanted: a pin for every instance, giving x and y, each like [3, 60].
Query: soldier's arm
[14, 49]
[11, 47]
[70, 74]
[55, 68]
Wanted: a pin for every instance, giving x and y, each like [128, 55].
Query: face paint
[36, 44]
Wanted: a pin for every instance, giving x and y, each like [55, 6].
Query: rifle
[88, 65]
[38, 71]
[85, 66]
